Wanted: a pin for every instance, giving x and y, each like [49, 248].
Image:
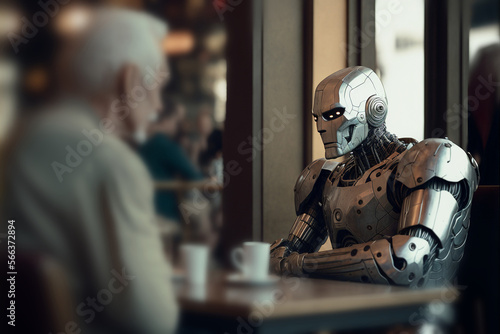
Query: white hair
[116, 37]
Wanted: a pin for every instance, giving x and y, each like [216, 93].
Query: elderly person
[80, 194]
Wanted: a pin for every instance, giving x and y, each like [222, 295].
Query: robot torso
[358, 211]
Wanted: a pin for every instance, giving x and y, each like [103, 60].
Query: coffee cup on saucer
[252, 259]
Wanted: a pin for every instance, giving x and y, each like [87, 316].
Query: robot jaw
[348, 136]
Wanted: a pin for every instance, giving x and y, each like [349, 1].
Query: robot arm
[309, 231]
[433, 187]
[404, 259]
[306, 236]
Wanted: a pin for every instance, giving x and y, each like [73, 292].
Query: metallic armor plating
[396, 211]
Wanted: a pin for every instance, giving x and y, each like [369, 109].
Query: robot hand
[283, 264]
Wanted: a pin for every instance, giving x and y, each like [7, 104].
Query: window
[399, 43]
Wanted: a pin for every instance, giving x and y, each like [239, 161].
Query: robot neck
[377, 146]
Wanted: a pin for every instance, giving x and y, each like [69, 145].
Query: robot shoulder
[440, 158]
[308, 178]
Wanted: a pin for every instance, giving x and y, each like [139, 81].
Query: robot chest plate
[359, 213]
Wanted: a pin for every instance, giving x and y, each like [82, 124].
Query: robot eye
[333, 114]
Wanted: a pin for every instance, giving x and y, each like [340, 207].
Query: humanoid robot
[397, 211]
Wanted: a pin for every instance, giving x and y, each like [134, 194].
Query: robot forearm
[399, 260]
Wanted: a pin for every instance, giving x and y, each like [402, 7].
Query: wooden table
[298, 305]
[208, 186]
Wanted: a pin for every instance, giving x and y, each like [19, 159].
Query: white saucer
[238, 278]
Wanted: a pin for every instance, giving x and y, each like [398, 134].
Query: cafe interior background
[242, 78]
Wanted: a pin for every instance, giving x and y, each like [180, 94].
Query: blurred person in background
[182, 137]
[485, 112]
[212, 166]
[79, 193]
[188, 215]
[167, 160]
[203, 128]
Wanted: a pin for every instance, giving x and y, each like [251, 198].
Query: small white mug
[195, 258]
[252, 259]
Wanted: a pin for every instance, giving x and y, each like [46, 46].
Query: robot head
[346, 103]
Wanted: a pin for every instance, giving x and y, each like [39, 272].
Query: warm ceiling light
[36, 79]
[73, 20]
[215, 41]
[9, 20]
[178, 42]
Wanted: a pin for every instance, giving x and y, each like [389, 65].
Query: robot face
[345, 104]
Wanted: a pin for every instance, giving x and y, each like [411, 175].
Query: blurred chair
[43, 295]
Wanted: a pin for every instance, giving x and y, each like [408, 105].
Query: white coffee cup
[195, 258]
[252, 259]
